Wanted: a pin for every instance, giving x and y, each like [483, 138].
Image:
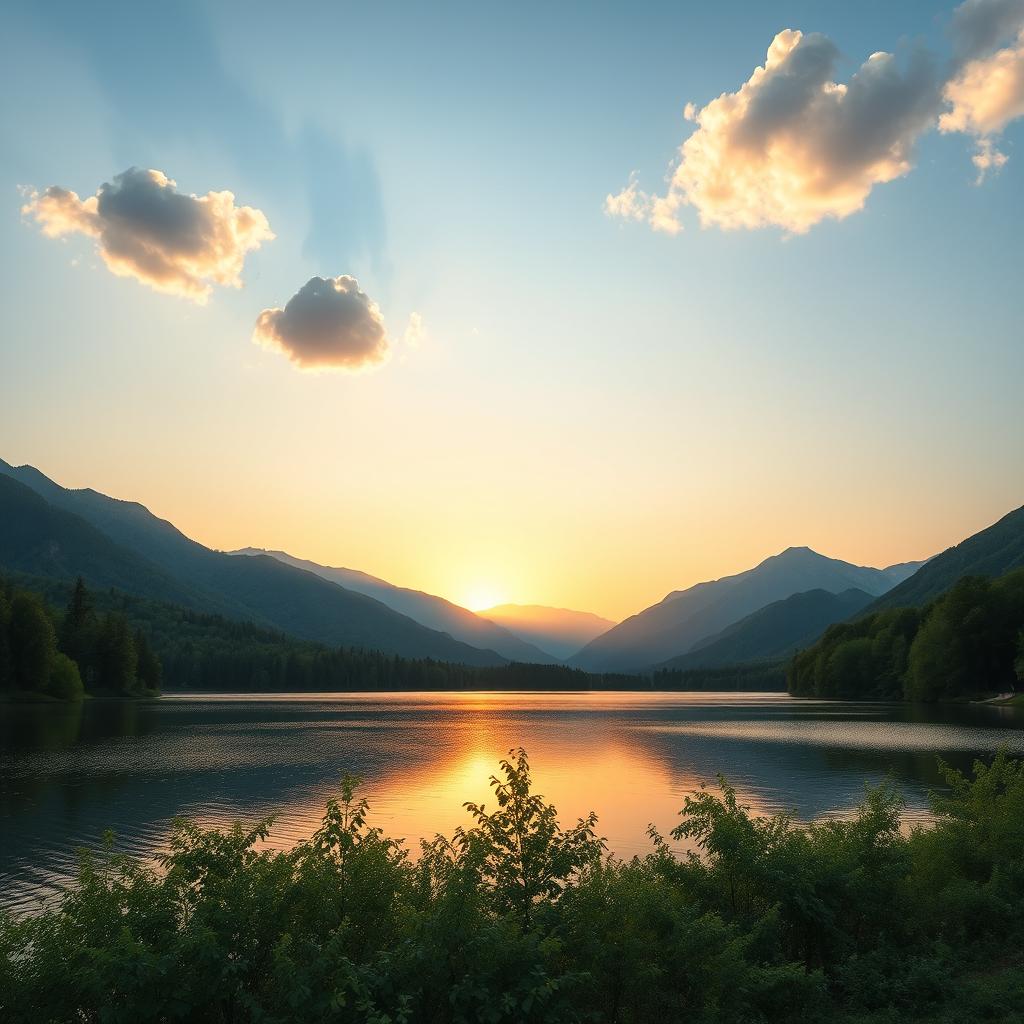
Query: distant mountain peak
[685, 617]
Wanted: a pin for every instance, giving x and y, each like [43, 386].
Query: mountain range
[684, 618]
[432, 612]
[121, 543]
[558, 630]
[775, 631]
[763, 614]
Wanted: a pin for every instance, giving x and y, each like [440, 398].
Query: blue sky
[596, 413]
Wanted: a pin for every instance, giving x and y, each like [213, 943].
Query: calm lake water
[69, 773]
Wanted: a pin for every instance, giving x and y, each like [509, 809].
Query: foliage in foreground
[516, 919]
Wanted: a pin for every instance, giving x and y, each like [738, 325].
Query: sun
[479, 598]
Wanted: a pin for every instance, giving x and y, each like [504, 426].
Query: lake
[67, 773]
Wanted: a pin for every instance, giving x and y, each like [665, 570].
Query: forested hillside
[59, 532]
[968, 643]
[209, 652]
[993, 551]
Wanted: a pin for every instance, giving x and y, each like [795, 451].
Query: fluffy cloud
[979, 26]
[328, 324]
[792, 146]
[987, 91]
[144, 228]
[633, 204]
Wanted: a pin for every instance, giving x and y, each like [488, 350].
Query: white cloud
[634, 204]
[329, 324]
[792, 146]
[630, 203]
[144, 228]
[986, 92]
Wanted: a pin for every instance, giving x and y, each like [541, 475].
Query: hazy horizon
[596, 308]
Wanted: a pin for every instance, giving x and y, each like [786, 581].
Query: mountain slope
[994, 551]
[259, 588]
[683, 618]
[559, 630]
[896, 574]
[426, 609]
[37, 538]
[775, 631]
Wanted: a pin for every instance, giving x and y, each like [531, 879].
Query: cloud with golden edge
[987, 91]
[792, 146]
[144, 228]
[328, 324]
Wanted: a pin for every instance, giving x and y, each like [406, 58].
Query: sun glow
[476, 599]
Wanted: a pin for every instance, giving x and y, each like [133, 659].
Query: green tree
[79, 631]
[967, 643]
[116, 659]
[1019, 663]
[33, 644]
[849, 670]
[524, 854]
[149, 670]
[5, 642]
[65, 680]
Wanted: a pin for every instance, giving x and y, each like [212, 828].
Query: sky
[561, 304]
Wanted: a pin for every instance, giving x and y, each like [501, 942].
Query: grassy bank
[519, 919]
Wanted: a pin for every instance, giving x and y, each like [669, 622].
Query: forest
[188, 650]
[46, 654]
[518, 919]
[62, 641]
[966, 644]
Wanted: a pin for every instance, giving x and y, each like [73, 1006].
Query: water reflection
[68, 773]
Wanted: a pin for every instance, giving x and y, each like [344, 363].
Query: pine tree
[5, 643]
[79, 631]
[150, 671]
[116, 659]
[33, 644]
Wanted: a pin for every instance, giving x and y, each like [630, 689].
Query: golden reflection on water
[576, 767]
[68, 774]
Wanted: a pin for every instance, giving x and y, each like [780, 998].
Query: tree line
[65, 655]
[201, 651]
[517, 919]
[968, 643]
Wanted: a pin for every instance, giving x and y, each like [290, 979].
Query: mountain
[258, 589]
[428, 610]
[992, 552]
[559, 630]
[896, 574]
[775, 631]
[43, 540]
[674, 625]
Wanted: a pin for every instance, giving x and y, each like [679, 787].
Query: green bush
[65, 680]
[517, 919]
